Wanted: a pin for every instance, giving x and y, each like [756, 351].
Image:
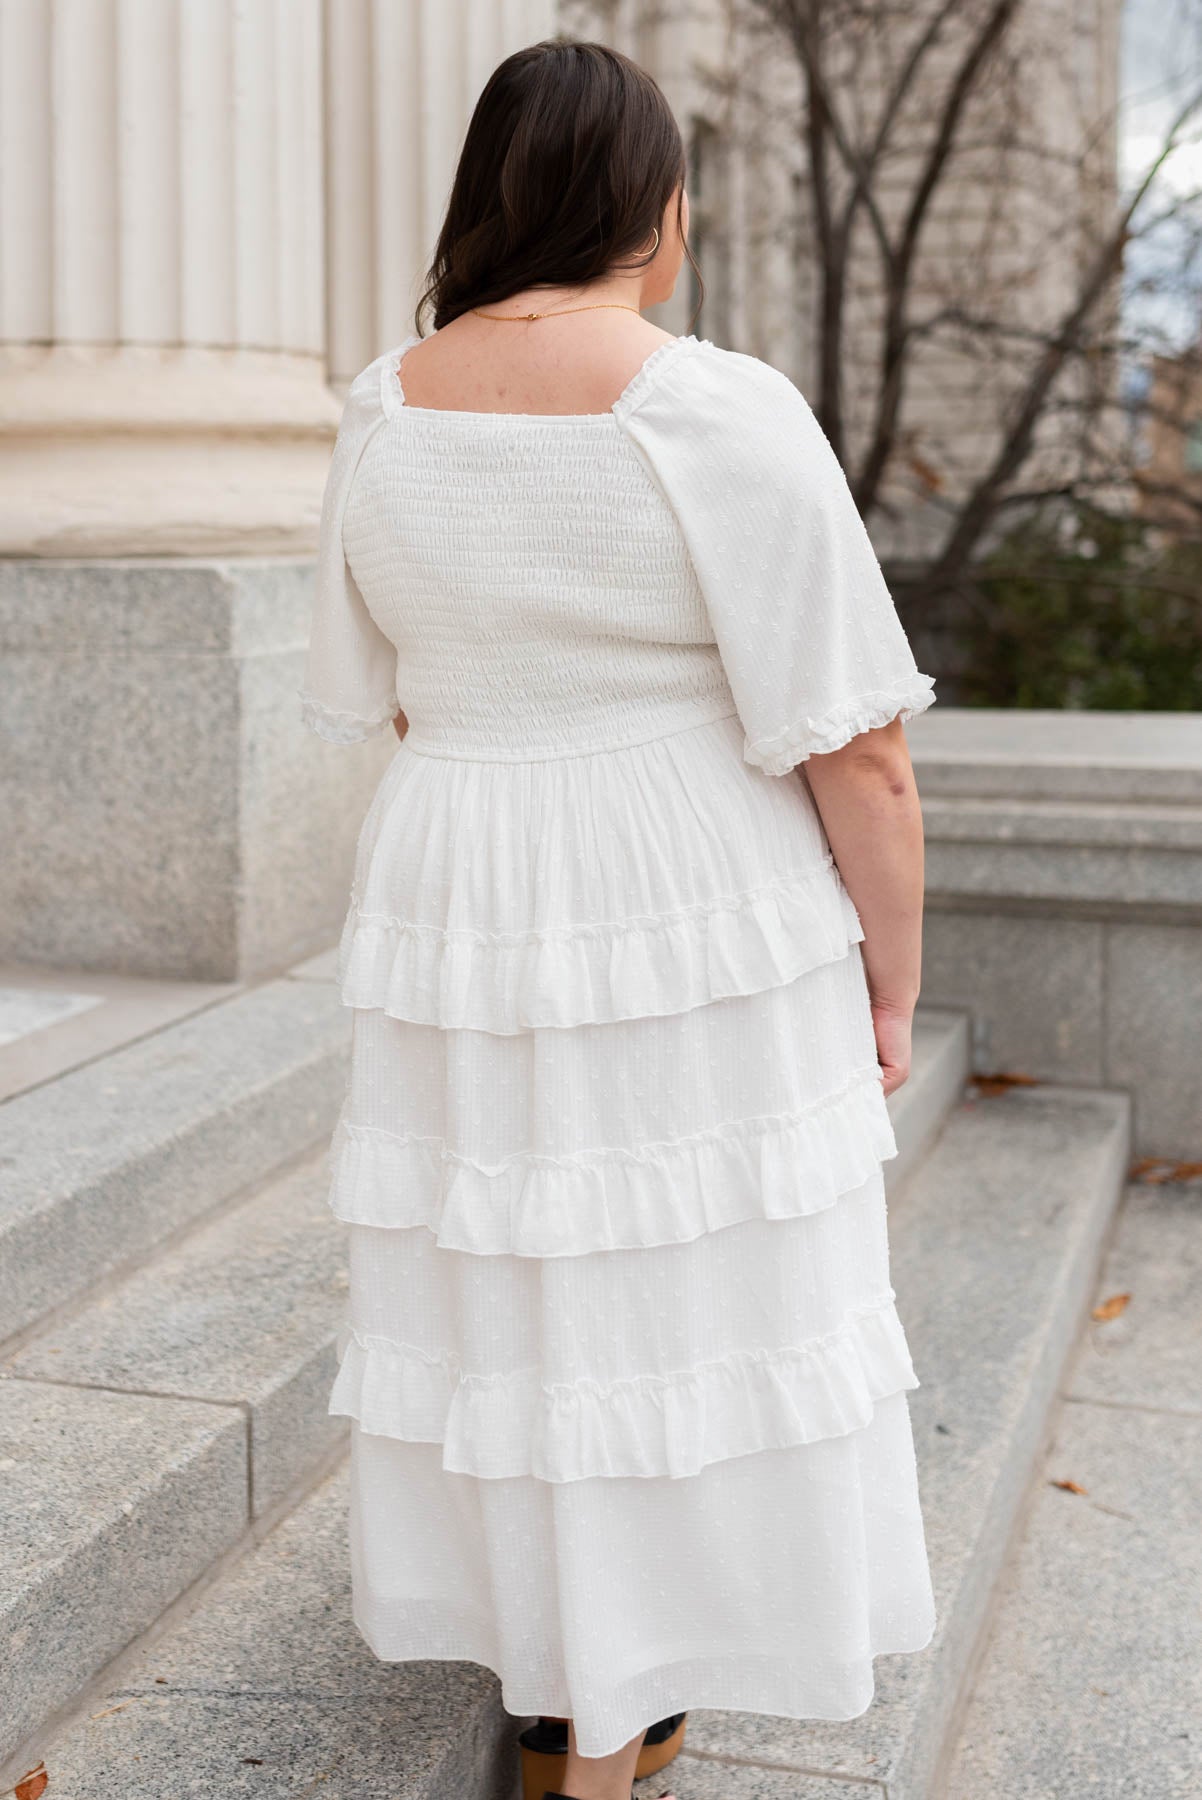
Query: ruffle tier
[493, 1427]
[504, 897]
[645, 1361]
[773, 1167]
[585, 974]
[765, 1583]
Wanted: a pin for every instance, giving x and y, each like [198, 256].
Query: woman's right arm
[349, 687]
[868, 801]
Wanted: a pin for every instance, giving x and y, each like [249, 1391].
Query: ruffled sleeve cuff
[344, 727]
[816, 736]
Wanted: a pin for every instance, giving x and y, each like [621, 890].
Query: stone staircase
[170, 1294]
[1090, 1680]
[174, 1610]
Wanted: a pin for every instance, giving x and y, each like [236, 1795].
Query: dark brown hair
[570, 158]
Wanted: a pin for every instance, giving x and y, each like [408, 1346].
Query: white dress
[621, 1351]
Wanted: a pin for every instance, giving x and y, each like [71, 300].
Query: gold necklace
[522, 318]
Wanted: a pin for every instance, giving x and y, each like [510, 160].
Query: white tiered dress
[621, 1351]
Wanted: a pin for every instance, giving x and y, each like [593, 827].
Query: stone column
[177, 177]
[162, 376]
[402, 77]
[165, 428]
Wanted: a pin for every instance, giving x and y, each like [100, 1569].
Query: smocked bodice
[535, 582]
[608, 632]
[532, 586]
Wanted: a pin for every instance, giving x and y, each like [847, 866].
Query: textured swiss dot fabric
[622, 1355]
[767, 1583]
[809, 638]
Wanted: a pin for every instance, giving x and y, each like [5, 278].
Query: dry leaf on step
[988, 1086]
[32, 1784]
[1156, 1170]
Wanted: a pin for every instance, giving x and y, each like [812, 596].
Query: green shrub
[1094, 614]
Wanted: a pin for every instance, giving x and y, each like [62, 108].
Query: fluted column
[162, 379]
[402, 77]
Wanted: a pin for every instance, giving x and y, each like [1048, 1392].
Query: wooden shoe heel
[543, 1748]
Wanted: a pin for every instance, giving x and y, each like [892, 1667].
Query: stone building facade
[212, 213]
[1027, 196]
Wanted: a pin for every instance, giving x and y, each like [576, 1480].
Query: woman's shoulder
[740, 368]
[365, 407]
[741, 427]
[705, 387]
[369, 395]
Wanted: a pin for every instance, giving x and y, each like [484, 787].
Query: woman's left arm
[820, 669]
[866, 795]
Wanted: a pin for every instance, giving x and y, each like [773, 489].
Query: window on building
[709, 228]
[1193, 447]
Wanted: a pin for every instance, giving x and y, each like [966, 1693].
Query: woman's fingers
[892, 1033]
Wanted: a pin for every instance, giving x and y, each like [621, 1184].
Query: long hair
[570, 158]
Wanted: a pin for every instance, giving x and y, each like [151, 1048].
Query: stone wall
[166, 813]
[1064, 900]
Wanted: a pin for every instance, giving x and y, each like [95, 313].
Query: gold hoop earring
[655, 245]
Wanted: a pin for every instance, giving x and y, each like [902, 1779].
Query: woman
[632, 948]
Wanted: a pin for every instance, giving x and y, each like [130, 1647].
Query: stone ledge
[979, 752]
[1064, 899]
[169, 815]
[1107, 821]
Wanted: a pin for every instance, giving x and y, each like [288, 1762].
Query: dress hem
[666, 1698]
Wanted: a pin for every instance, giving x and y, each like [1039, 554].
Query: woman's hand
[891, 1029]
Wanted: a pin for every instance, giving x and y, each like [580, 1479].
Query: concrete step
[920, 1109]
[200, 1382]
[106, 1162]
[243, 1312]
[267, 1689]
[110, 1504]
[1091, 1680]
[239, 1316]
[994, 1253]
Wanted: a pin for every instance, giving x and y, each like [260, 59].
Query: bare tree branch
[1015, 448]
[893, 352]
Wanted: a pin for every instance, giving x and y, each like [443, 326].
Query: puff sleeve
[349, 686]
[807, 631]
